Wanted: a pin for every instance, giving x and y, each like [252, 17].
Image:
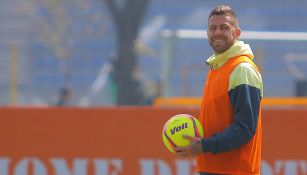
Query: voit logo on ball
[178, 125]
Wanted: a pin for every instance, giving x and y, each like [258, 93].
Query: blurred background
[118, 52]
[94, 55]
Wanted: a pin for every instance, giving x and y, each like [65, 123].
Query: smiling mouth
[218, 41]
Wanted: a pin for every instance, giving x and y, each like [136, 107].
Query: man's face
[222, 32]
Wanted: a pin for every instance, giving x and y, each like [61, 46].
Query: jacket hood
[238, 48]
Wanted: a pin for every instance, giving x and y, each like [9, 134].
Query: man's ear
[238, 32]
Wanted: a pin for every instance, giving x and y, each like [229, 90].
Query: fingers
[187, 151]
[193, 149]
[191, 138]
[182, 151]
[183, 154]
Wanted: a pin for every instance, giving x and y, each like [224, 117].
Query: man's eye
[224, 27]
[212, 28]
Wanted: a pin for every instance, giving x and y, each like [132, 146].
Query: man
[231, 106]
[65, 96]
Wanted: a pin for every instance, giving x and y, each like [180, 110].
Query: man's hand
[191, 150]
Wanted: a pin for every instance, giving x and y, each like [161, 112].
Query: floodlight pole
[168, 49]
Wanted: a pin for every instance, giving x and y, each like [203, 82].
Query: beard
[220, 45]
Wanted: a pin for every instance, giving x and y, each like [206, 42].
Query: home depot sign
[126, 141]
[100, 166]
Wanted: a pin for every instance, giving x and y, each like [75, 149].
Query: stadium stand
[89, 41]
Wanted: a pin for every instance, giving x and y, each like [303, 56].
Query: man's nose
[218, 31]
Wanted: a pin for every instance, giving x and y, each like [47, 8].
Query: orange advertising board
[126, 141]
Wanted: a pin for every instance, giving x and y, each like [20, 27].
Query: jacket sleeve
[245, 93]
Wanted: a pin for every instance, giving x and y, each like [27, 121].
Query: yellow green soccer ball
[178, 125]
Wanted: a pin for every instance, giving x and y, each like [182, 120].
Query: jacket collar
[238, 48]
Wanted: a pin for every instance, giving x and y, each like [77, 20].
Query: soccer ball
[178, 125]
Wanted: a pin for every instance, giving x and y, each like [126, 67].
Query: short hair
[225, 10]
